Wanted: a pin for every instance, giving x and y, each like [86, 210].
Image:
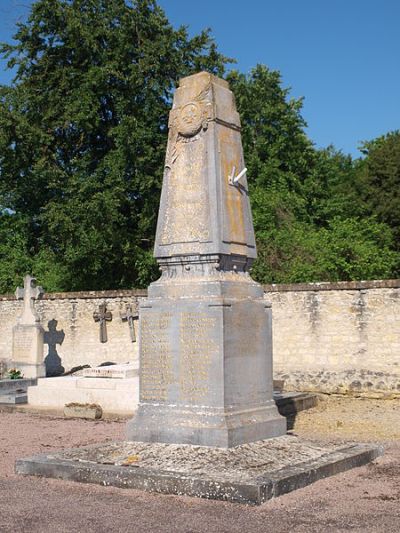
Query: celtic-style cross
[29, 294]
[103, 316]
[129, 317]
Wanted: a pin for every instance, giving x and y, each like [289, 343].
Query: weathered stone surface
[322, 356]
[129, 370]
[11, 385]
[14, 391]
[252, 473]
[200, 212]
[69, 317]
[27, 347]
[102, 315]
[83, 410]
[14, 398]
[205, 329]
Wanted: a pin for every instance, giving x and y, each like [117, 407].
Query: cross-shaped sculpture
[29, 294]
[129, 317]
[103, 316]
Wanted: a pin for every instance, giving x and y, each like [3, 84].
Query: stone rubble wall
[328, 337]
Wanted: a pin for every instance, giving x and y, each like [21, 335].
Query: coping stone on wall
[85, 295]
[333, 286]
[272, 287]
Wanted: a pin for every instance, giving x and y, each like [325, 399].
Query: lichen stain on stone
[359, 307]
[312, 305]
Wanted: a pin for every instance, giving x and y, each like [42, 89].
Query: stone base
[14, 398]
[13, 391]
[30, 371]
[251, 474]
[12, 385]
[290, 403]
[206, 364]
[206, 426]
[113, 395]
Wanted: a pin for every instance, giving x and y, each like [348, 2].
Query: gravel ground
[365, 499]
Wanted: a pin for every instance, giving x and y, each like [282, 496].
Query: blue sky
[343, 56]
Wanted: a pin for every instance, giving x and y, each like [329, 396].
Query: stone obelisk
[205, 336]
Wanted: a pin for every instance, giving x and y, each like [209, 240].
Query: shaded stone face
[205, 329]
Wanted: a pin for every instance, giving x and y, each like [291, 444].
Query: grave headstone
[103, 316]
[205, 336]
[27, 349]
[130, 316]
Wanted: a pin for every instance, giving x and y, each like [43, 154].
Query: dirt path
[357, 419]
[366, 499]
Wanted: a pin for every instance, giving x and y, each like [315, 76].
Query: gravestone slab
[28, 334]
[205, 328]
[130, 370]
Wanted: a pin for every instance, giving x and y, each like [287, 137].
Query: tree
[277, 150]
[310, 224]
[378, 180]
[83, 136]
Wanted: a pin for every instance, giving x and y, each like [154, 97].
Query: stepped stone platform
[251, 473]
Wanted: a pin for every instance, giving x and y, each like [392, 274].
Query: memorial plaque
[156, 371]
[24, 340]
[197, 348]
[205, 330]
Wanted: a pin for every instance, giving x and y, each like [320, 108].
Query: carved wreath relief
[190, 119]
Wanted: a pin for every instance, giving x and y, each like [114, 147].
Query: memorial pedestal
[28, 350]
[205, 369]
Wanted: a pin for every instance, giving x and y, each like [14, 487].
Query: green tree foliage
[83, 137]
[378, 180]
[83, 132]
[310, 224]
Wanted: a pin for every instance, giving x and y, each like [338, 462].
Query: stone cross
[103, 316]
[129, 317]
[29, 294]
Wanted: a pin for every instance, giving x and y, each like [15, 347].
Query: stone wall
[337, 337]
[71, 334]
[328, 337]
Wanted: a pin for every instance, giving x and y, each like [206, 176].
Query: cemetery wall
[337, 337]
[328, 337]
[72, 337]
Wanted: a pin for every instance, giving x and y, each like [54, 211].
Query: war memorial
[206, 424]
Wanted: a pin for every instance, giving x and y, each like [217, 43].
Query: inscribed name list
[195, 347]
